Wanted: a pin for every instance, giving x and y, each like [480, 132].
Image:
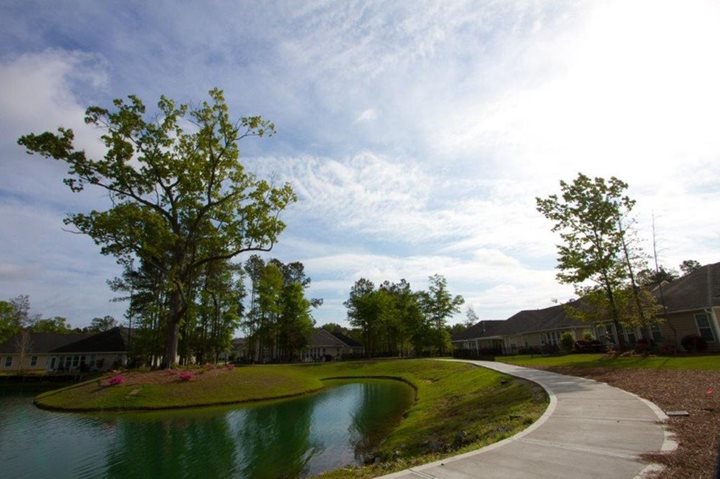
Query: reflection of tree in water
[378, 411]
[170, 447]
[275, 440]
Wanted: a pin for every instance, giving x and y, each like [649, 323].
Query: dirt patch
[697, 392]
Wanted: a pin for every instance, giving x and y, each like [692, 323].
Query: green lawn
[710, 362]
[458, 406]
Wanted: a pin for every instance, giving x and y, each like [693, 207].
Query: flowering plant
[115, 380]
[186, 376]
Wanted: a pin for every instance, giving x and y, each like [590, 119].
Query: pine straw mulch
[698, 434]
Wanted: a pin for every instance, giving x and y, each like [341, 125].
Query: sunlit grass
[704, 362]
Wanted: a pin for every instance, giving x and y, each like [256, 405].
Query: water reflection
[294, 438]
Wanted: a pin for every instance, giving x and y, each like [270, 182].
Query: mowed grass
[246, 384]
[701, 362]
[458, 406]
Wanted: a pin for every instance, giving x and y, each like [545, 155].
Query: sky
[417, 134]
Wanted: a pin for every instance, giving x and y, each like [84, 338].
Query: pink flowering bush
[115, 380]
[229, 367]
[186, 376]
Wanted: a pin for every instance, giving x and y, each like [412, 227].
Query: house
[354, 348]
[322, 346]
[691, 306]
[55, 352]
[28, 351]
[98, 352]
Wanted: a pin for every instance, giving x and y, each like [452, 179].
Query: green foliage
[180, 199]
[689, 266]
[105, 323]
[279, 321]
[394, 320]
[9, 326]
[588, 216]
[567, 341]
[57, 324]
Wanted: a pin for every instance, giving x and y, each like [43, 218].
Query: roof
[697, 290]
[347, 340]
[40, 342]
[526, 321]
[112, 340]
[321, 338]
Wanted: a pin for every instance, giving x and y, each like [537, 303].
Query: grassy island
[458, 406]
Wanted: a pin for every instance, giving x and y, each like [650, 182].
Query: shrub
[186, 376]
[567, 341]
[115, 380]
[642, 346]
[594, 346]
[694, 344]
[668, 349]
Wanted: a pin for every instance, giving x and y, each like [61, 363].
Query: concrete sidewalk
[589, 429]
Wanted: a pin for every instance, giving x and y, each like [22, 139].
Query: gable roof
[347, 340]
[112, 340]
[697, 290]
[321, 338]
[523, 322]
[40, 342]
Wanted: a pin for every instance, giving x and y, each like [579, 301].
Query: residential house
[691, 306]
[322, 346]
[28, 351]
[98, 352]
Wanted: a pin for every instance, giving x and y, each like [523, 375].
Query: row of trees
[600, 255]
[392, 319]
[267, 300]
[15, 318]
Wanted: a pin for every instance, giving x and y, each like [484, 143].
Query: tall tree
[587, 218]
[179, 199]
[439, 306]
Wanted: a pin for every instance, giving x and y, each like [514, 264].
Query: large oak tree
[180, 197]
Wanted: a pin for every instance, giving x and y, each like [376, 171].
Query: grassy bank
[458, 407]
[705, 362]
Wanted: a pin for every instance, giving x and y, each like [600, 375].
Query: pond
[299, 437]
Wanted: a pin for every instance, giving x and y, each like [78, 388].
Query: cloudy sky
[417, 134]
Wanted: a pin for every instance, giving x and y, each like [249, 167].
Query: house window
[33, 361]
[705, 327]
[52, 362]
[8, 361]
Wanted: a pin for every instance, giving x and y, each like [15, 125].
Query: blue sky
[416, 133]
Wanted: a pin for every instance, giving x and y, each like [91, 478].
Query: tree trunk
[173, 330]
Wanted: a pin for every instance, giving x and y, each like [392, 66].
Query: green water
[284, 439]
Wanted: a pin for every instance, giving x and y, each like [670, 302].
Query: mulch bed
[698, 434]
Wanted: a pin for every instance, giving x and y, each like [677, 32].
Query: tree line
[393, 320]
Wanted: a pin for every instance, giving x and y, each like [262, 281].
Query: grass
[700, 362]
[241, 385]
[458, 406]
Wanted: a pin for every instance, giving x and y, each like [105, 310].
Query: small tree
[587, 217]
[689, 266]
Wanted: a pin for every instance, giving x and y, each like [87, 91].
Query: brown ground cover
[698, 434]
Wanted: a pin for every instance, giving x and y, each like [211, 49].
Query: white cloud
[367, 115]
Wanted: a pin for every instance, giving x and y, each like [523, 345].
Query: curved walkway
[589, 429]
